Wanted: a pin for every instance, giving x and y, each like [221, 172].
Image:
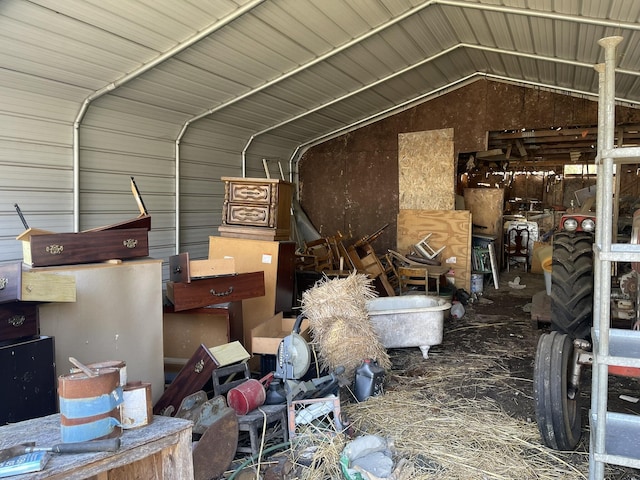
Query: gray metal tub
[408, 321]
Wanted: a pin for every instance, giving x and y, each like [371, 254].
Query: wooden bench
[159, 450]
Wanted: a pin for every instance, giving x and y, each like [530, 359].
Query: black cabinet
[27, 380]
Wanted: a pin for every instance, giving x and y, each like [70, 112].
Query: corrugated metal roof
[284, 58]
[270, 77]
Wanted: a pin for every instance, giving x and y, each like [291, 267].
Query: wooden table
[160, 450]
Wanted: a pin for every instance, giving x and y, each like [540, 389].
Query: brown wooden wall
[350, 184]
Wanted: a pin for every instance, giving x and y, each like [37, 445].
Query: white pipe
[132, 76]
[540, 14]
[302, 68]
[177, 197]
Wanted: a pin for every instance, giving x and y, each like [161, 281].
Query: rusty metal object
[203, 414]
[215, 450]
[89, 406]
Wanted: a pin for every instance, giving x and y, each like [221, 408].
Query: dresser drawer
[18, 320]
[250, 192]
[256, 215]
[18, 282]
[85, 247]
[215, 290]
[10, 282]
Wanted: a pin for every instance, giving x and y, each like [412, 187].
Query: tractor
[563, 353]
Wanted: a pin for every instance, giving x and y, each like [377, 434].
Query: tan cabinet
[256, 208]
[117, 315]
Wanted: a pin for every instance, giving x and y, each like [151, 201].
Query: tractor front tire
[558, 415]
[572, 284]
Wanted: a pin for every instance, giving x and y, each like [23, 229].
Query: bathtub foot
[425, 351]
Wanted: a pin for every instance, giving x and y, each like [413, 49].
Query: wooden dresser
[256, 208]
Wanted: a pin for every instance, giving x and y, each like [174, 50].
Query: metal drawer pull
[54, 249]
[198, 367]
[130, 243]
[16, 320]
[3, 283]
[222, 294]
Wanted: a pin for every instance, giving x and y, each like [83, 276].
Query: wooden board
[451, 228]
[486, 206]
[426, 170]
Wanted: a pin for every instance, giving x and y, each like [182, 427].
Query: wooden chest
[18, 320]
[256, 208]
[215, 290]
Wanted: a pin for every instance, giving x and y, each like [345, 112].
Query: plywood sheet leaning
[426, 175]
[486, 206]
[451, 228]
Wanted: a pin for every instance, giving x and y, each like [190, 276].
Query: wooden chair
[434, 272]
[317, 256]
[516, 245]
[413, 278]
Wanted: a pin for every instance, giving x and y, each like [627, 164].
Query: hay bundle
[340, 325]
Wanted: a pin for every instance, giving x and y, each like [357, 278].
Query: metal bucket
[477, 282]
[137, 410]
[247, 396]
[90, 406]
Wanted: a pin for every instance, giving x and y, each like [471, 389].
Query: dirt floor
[485, 362]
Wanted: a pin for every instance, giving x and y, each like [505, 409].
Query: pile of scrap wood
[332, 256]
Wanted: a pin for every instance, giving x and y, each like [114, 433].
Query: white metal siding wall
[35, 158]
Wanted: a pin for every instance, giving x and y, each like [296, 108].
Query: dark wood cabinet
[27, 379]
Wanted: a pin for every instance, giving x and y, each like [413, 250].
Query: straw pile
[460, 438]
[340, 326]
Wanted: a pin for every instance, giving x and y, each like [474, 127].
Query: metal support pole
[602, 284]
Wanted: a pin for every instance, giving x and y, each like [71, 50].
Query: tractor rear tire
[572, 284]
[558, 416]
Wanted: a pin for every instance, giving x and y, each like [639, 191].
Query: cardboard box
[266, 337]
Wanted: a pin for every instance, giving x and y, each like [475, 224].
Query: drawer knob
[3, 283]
[222, 294]
[130, 243]
[16, 320]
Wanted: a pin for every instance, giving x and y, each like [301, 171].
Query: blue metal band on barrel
[90, 406]
[88, 431]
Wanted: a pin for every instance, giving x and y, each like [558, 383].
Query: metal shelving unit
[614, 435]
